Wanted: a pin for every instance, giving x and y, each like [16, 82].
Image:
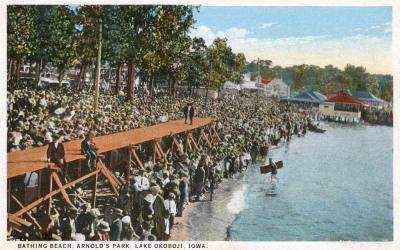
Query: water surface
[334, 186]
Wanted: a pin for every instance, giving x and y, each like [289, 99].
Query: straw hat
[126, 219]
[103, 226]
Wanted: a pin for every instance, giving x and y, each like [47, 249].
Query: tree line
[152, 40]
[314, 78]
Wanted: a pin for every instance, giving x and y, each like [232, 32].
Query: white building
[274, 87]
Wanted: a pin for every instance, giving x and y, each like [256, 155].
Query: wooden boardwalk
[34, 159]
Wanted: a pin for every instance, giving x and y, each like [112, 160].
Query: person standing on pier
[56, 154]
[191, 112]
[186, 112]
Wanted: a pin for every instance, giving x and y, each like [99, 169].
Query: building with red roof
[342, 107]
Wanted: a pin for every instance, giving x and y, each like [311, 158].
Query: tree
[387, 92]
[114, 37]
[20, 36]
[63, 38]
[238, 68]
[171, 41]
[355, 78]
[138, 24]
[196, 71]
[298, 83]
[40, 54]
[88, 20]
[217, 55]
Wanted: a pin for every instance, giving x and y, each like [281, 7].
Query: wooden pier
[25, 161]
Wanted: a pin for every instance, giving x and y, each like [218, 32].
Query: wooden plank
[54, 192]
[206, 138]
[216, 133]
[112, 182]
[160, 149]
[23, 161]
[28, 213]
[62, 189]
[139, 162]
[94, 190]
[50, 190]
[115, 182]
[18, 220]
[268, 168]
[128, 171]
[193, 141]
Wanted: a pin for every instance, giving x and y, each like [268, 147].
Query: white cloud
[267, 25]
[204, 32]
[372, 52]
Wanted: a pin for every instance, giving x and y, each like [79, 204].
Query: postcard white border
[395, 244]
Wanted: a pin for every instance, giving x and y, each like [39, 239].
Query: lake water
[333, 186]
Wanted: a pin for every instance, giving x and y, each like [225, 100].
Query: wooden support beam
[50, 190]
[128, 170]
[52, 193]
[178, 146]
[193, 141]
[154, 151]
[28, 213]
[216, 133]
[94, 190]
[206, 138]
[116, 180]
[109, 177]
[139, 162]
[62, 189]
[18, 220]
[160, 149]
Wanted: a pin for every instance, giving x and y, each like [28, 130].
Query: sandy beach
[208, 220]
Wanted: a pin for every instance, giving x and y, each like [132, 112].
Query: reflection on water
[334, 186]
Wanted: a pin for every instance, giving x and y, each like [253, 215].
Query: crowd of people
[147, 205]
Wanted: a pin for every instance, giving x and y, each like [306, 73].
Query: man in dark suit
[56, 154]
[116, 226]
[186, 111]
[191, 112]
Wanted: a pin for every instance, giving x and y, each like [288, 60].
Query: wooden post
[154, 151]
[8, 194]
[28, 213]
[62, 189]
[50, 190]
[94, 190]
[193, 141]
[128, 171]
[139, 162]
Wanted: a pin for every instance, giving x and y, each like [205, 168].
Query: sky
[303, 35]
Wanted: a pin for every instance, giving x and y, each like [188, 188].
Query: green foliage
[196, 66]
[20, 31]
[63, 37]
[238, 68]
[217, 55]
[88, 20]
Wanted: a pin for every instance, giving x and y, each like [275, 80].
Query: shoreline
[192, 225]
[184, 229]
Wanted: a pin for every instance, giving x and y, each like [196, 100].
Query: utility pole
[208, 83]
[98, 68]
